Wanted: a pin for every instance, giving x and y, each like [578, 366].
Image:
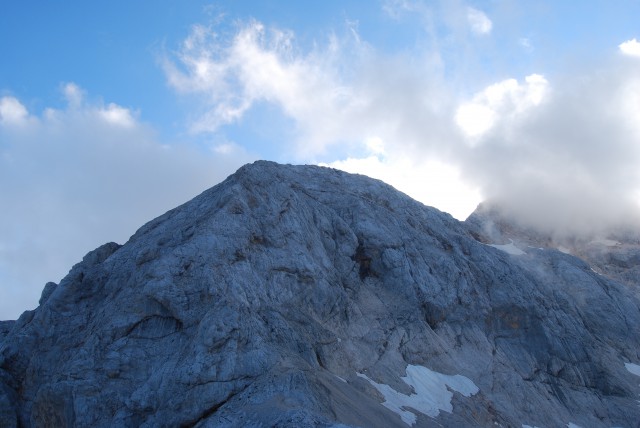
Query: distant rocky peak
[614, 252]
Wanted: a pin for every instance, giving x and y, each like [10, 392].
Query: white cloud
[116, 115]
[526, 44]
[12, 112]
[396, 8]
[81, 176]
[227, 148]
[630, 48]
[475, 118]
[500, 101]
[73, 94]
[628, 98]
[375, 145]
[478, 21]
[432, 182]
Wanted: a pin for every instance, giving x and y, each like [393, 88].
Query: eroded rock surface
[277, 297]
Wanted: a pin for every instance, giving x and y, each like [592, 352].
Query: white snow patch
[433, 392]
[509, 248]
[342, 379]
[572, 425]
[564, 250]
[528, 426]
[633, 368]
[606, 242]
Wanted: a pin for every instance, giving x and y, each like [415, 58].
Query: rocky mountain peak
[305, 296]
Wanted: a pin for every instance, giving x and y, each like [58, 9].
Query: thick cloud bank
[570, 162]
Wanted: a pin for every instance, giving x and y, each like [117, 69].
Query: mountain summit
[305, 296]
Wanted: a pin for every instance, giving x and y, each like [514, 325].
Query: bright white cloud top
[500, 101]
[12, 112]
[630, 48]
[447, 101]
[451, 194]
[479, 22]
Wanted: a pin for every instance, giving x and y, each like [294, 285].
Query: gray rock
[49, 287]
[270, 299]
[5, 328]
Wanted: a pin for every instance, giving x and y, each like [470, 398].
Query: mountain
[305, 296]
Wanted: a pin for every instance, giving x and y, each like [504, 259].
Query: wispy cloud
[526, 44]
[260, 64]
[478, 21]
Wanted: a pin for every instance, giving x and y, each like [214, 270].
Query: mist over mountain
[612, 250]
[562, 157]
[306, 296]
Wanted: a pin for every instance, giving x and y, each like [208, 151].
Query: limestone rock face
[304, 296]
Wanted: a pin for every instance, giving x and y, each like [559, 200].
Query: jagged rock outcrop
[305, 296]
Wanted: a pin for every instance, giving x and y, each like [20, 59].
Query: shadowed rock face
[301, 296]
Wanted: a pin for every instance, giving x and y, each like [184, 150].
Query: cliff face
[305, 296]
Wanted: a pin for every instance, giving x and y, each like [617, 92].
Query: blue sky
[113, 112]
[112, 49]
